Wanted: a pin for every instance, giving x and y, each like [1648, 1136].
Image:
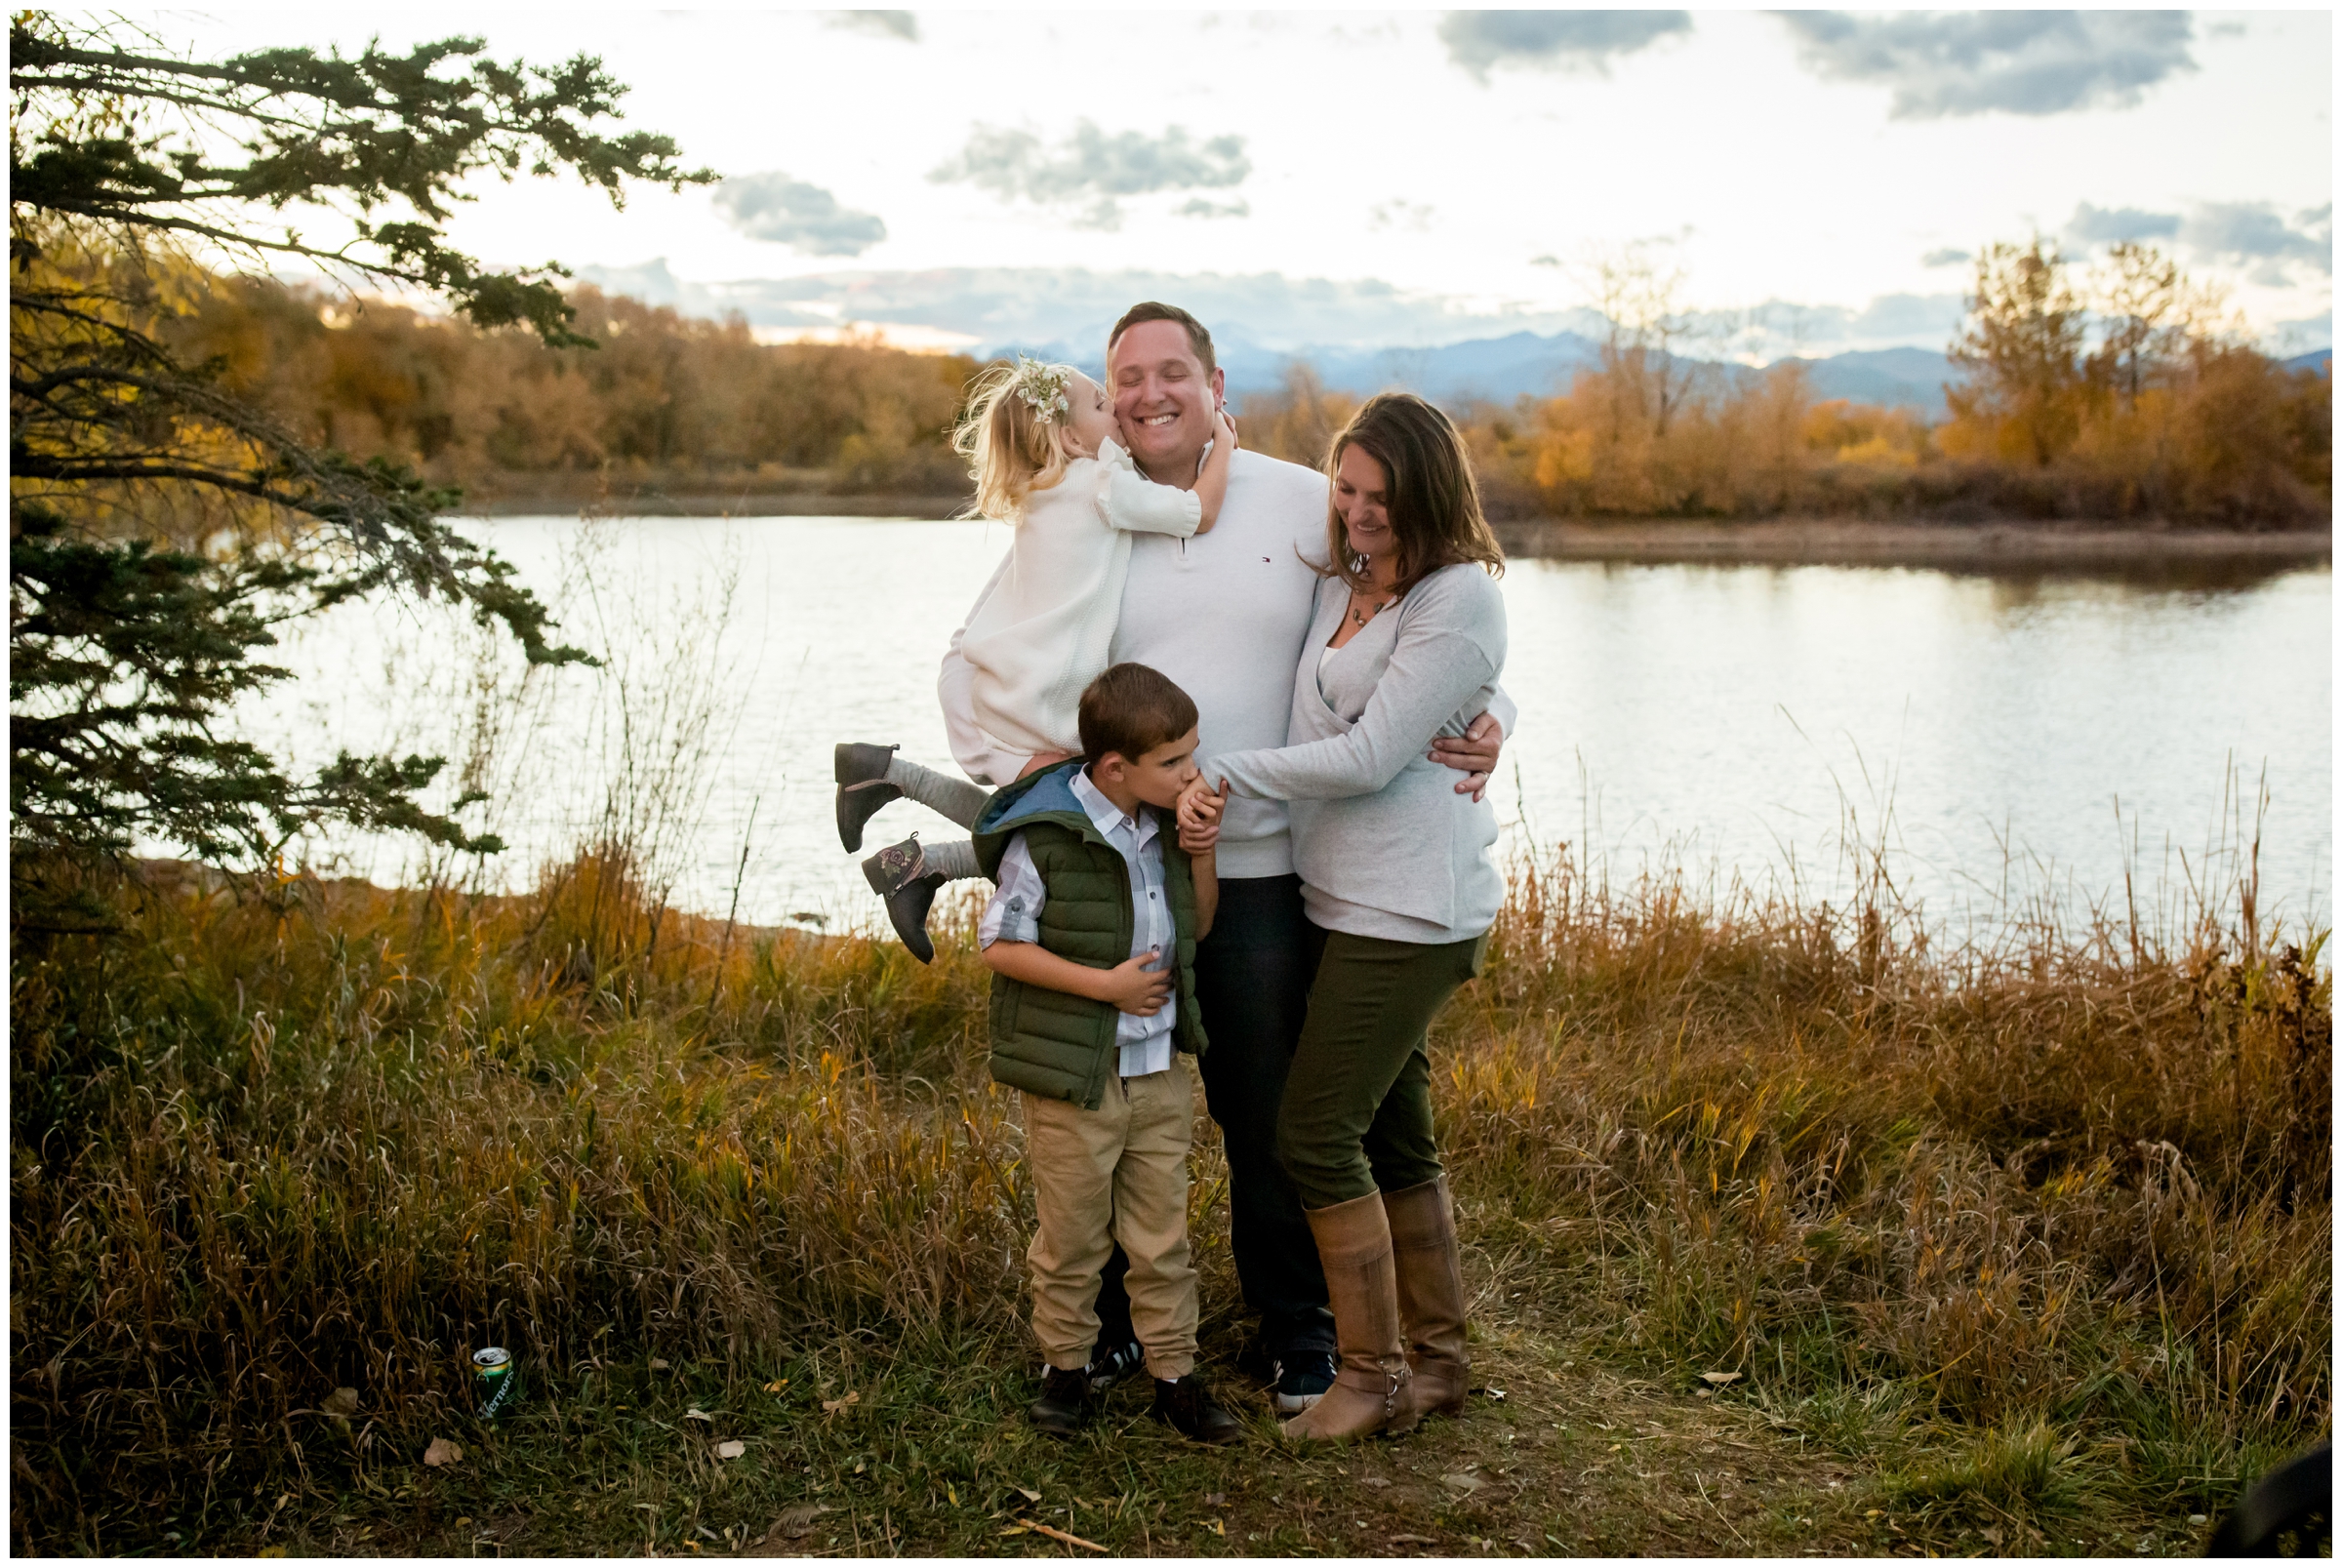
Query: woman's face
[1089, 415]
[1363, 500]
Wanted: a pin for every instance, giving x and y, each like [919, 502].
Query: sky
[1818, 180]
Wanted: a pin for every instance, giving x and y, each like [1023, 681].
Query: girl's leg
[871, 776]
[954, 798]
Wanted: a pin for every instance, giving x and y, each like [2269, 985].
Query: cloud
[2226, 233]
[1203, 207]
[771, 206]
[885, 24]
[1094, 168]
[2255, 232]
[1948, 256]
[1414, 216]
[2101, 225]
[2019, 61]
[1585, 39]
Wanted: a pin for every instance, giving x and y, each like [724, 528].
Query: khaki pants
[1118, 1173]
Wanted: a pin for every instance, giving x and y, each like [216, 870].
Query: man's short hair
[1198, 339]
[1130, 710]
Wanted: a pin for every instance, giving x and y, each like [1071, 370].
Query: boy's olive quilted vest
[1047, 1042]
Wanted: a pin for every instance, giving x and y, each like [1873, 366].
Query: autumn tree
[162, 527]
[2021, 351]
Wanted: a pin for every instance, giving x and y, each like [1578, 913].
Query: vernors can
[492, 1372]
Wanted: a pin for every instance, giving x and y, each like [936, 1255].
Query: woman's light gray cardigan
[1384, 844]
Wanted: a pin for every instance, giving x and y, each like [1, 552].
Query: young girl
[1040, 439]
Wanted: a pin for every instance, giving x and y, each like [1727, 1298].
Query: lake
[2006, 738]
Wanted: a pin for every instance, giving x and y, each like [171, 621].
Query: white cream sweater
[1042, 631]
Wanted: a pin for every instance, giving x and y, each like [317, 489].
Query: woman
[1400, 888]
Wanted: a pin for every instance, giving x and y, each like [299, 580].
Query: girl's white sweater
[1041, 634]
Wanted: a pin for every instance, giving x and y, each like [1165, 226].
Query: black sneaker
[1185, 1404]
[1109, 1365]
[1065, 1403]
[1303, 1375]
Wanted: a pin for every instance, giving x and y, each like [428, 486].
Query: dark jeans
[1356, 1116]
[1252, 980]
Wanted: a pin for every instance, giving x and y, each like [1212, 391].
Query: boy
[1091, 938]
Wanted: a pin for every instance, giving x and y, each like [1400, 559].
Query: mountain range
[1499, 370]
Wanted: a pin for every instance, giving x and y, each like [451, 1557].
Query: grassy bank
[1787, 1230]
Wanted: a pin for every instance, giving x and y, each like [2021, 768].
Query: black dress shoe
[1065, 1403]
[861, 787]
[1187, 1405]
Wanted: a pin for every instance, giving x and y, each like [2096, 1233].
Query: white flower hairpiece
[1042, 386]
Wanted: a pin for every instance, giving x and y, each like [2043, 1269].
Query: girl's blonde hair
[1009, 435]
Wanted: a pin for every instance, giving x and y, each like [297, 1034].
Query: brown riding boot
[1370, 1386]
[1431, 1294]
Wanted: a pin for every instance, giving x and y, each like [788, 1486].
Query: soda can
[492, 1375]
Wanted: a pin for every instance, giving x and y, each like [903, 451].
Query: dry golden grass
[1929, 1205]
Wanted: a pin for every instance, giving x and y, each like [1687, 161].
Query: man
[1225, 614]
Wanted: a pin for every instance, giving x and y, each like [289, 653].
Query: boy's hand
[1223, 428]
[1199, 807]
[1198, 840]
[1133, 987]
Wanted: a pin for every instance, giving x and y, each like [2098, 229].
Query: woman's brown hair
[1432, 497]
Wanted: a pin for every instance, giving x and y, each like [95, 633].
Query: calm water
[2002, 737]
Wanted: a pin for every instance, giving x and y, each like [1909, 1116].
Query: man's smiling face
[1162, 399]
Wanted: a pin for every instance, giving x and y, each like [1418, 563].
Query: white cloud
[884, 23]
[2019, 61]
[1094, 168]
[1587, 40]
[771, 206]
[2249, 234]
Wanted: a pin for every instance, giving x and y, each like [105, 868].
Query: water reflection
[1994, 732]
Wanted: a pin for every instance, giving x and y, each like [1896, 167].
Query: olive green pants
[1356, 1116]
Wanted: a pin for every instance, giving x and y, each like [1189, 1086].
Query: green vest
[1047, 1042]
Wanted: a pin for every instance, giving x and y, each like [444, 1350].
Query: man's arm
[1474, 753]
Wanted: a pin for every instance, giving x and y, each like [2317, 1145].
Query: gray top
[1384, 844]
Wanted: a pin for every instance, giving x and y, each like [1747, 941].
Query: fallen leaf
[658, 1364]
[443, 1452]
[695, 1412]
[1210, 1499]
[1377, 1481]
[1029, 1494]
[1413, 1541]
[1461, 1481]
[731, 1450]
[796, 1521]
[1215, 1527]
[1719, 1379]
[1991, 1533]
[342, 1402]
[831, 1407]
[272, 1552]
[775, 1388]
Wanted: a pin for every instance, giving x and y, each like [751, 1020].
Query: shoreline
[1814, 541]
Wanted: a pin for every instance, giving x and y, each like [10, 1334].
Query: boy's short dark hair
[1130, 710]
[1198, 339]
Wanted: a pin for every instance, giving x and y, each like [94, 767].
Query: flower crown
[1042, 386]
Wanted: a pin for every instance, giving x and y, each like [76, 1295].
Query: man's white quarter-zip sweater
[1225, 614]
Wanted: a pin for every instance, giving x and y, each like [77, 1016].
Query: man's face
[1163, 400]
